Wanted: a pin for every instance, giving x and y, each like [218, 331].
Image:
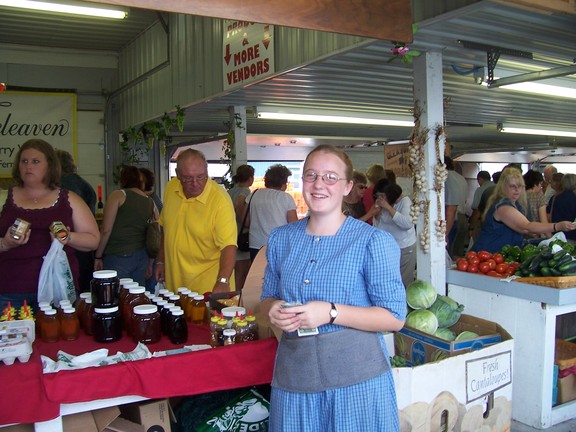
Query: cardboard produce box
[462, 393]
[90, 421]
[153, 416]
[419, 348]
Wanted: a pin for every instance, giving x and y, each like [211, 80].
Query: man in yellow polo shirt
[198, 247]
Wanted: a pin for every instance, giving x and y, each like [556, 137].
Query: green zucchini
[560, 254]
[546, 271]
[569, 267]
[535, 264]
[564, 260]
[555, 272]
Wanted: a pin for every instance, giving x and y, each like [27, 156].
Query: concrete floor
[567, 426]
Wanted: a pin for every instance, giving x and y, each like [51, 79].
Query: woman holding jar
[37, 198]
[332, 285]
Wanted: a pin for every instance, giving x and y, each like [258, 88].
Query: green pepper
[528, 251]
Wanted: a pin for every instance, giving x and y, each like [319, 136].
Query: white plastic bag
[56, 282]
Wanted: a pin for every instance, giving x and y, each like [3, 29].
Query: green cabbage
[446, 310]
[420, 295]
[466, 335]
[423, 320]
[446, 334]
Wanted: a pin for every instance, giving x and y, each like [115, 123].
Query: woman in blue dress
[504, 222]
[332, 285]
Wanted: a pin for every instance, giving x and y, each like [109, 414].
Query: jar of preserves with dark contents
[177, 327]
[104, 288]
[146, 324]
[107, 324]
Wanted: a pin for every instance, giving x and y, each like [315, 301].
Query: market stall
[33, 397]
[529, 313]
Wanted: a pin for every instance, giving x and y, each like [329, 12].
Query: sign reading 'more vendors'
[29, 115]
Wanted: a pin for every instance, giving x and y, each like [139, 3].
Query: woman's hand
[8, 242]
[565, 226]
[311, 315]
[286, 319]
[98, 264]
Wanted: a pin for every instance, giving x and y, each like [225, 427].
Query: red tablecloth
[29, 396]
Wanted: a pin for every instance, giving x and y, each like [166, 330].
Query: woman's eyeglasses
[328, 178]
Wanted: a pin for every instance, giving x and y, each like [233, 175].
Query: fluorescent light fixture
[537, 130]
[333, 117]
[559, 87]
[70, 7]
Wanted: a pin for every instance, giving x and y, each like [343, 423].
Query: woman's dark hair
[149, 179]
[379, 187]
[276, 176]
[52, 179]
[391, 190]
[243, 173]
[66, 161]
[390, 175]
[532, 178]
[130, 177]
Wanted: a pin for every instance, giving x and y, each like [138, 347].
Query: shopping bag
[153, 236]
[244, 241]
[55, 282]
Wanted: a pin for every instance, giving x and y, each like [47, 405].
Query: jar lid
[129, 285]
[161, 302]
[231, 311]
[199, 297]
[104, 274]
[174, 297]
[137, 290]
[145, 309]
[241, 324]
[69, 310]
[85, 295]
[125, 280]
[88, 300]
[43, 304]
[229, 332]
[164, 291]
[192, 294]
[176, 312]
[173, 308]
[106, 310]
[149, 295]
[180, 289]
[45, 308]
[50, 312]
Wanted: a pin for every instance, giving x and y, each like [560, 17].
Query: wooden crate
[550, 281]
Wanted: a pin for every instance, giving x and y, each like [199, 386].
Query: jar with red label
[146, 324]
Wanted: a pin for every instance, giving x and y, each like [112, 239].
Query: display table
[29, 396]
[529, 314]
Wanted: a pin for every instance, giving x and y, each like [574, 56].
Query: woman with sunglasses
[504, 221]
[332, 285]
[352, 204]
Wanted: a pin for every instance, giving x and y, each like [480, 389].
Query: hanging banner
[28, 115]
[396, 158]
[248, 53]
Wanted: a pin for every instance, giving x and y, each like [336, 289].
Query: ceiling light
[559, 87]
[333, 117]
[70, 7]
[537, 130]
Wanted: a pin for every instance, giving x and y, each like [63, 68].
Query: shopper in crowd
[243, 179]
[484, 182]
[373, 173]
[535, 201]
[556, 186]
[149, 188]
[270, 207]
[456, 191]
[198, 248]
[73, 182]
[505, 222]
[564, 205]
[37, 198]
[549, 191]
[126, 214]
[394, 217]
[346, 276]
[352, 204]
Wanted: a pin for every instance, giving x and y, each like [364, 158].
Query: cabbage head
[446, 310]
[446, 334]
[420, 295]
[423, 320]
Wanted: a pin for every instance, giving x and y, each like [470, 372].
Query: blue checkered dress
[358, 266]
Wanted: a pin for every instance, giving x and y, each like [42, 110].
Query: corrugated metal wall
[194, 72]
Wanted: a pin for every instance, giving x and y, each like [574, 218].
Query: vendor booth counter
[529, 314]
[29, 396]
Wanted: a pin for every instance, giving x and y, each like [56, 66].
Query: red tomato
[501, 268]
[484, 267]
[471, 254]
[484, 256]
[510, 272]
[499, 258]
[462, 264]
[514, 264]
[474, 261]
[472, 268]
[494, 274]
[492, 264]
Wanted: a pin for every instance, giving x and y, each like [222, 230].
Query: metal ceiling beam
[534, 76]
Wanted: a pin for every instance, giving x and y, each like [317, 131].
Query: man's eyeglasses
[328, 178]
[196, 179]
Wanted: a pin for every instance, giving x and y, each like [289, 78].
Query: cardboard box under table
[465, 392]
[418, 347]
[565, 359]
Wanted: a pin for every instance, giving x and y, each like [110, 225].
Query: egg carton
[16, 348]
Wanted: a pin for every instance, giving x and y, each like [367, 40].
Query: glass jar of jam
[107, 324]
[81, 304]
[252, 327]
[146, 324]
[198, 310]
[242, 331]
[136, 296]
[177, 327]
[229, 337]
[50, 330]
[165, 316]
[124, 290]
[86, 318]
[213, 330]
[104, 288]
[69, 324]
